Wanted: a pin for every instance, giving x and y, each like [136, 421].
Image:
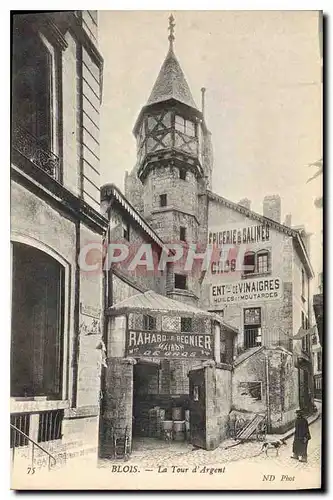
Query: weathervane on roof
[171, 28]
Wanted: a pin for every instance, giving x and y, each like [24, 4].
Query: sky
[262, 72]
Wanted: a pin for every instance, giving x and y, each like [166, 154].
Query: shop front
[164, 377]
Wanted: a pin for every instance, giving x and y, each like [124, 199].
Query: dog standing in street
[273, 445]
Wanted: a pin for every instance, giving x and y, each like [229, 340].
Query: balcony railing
[34, 150]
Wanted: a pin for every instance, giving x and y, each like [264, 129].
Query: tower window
[180, 281]
[185, 324]
[182, 174]
[182, 235]
[163, 200]
[185, 126]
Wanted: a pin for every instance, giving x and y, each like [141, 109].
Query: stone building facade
[134, 384]
[56, 349]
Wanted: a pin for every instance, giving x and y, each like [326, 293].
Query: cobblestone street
[151, 453]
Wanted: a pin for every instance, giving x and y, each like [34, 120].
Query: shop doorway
[145, 394]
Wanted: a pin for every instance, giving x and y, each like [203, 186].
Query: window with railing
[252, 327]
[34, 99]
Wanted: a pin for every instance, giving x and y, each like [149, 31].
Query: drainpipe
[267, 393]
[203, 90]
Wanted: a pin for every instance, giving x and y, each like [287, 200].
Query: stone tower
[174, 163]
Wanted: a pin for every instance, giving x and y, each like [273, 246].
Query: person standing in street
[301, 438]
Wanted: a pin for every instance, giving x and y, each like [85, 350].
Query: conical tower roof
[171, 83]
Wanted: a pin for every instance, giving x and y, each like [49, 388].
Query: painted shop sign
[246, 291]
[239, 236]
[169, 345]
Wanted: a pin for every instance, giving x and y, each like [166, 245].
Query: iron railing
[34, 150]
[50, 424]
[22, 422]
[33, 443]
[251, 337]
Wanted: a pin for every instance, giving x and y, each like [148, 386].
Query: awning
[302, 332]
[153, 303]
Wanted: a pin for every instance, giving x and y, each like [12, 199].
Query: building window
[185, 126]
[319, 361]
[37, 324]
[305, 338]
[252, 327]
[180, 281]
[303, 285]
[249, 263]
[34, 84]
[126, 231]
[182, 174]
[186, 324]
[182, 235]
[262, 262]
[163, 200]
[258, 263]
[149, 322]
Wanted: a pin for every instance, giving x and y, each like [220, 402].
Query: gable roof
[295, 234]
[113, 192]
[171, 83]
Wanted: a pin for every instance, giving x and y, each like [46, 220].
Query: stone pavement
[151, 453]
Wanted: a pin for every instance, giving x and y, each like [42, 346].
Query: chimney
[245, 202]
[272, 207]
[287, 220]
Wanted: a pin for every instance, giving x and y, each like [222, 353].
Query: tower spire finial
[171, 28]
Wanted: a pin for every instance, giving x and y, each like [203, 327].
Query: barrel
[179, 430]
[167, 425]
[177, 413]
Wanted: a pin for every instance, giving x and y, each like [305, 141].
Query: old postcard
[166, 236]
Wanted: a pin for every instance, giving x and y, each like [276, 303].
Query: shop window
[182, 233]
[163, 200]
[149, 322]
[186, 324]
[180, 281]
[252, 327]
[37, 324]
